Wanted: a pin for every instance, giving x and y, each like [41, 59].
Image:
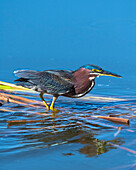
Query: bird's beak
[107, 73]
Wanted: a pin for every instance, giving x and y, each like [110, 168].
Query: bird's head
[98, 71]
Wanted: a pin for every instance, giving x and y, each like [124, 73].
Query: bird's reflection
[57, 133]
[94, 147]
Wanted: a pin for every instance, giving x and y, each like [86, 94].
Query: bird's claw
[54, 110]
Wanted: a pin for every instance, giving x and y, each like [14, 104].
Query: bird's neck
[82, 80]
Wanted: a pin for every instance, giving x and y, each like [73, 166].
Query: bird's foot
[47, 108]
[53, 109]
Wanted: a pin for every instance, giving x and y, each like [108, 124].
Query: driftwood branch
[18, 100]
[114, 119]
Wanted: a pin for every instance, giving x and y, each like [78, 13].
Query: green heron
[66, 83]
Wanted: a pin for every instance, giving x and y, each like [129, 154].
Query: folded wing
[50, 81]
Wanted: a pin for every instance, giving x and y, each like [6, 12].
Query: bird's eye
[96, 71]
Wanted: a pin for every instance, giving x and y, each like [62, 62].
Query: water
[57, 34]
[70, 138]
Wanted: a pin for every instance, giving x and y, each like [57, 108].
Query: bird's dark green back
[56, 82]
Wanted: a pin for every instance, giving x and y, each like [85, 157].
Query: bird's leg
[52, 104]
[41, 96]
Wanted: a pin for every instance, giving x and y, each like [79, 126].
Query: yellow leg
[41, 96]
[52, 104]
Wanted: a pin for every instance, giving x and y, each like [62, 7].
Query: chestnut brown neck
[81, 81]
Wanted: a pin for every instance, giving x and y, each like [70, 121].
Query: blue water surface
[57, 34]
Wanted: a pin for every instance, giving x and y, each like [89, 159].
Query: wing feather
[50, 81]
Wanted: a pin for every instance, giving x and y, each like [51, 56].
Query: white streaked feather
[80, 95]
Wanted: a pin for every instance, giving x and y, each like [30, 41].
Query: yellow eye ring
[96, 71]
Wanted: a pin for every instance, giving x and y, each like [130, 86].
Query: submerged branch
[24, 121]
[122, 147]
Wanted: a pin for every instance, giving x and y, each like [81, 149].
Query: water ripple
[73, 124]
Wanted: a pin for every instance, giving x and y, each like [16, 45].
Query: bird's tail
[27, 78]
[26, 73]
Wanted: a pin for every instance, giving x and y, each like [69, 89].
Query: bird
[68, 83]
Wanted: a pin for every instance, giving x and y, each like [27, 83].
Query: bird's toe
[54, 110]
